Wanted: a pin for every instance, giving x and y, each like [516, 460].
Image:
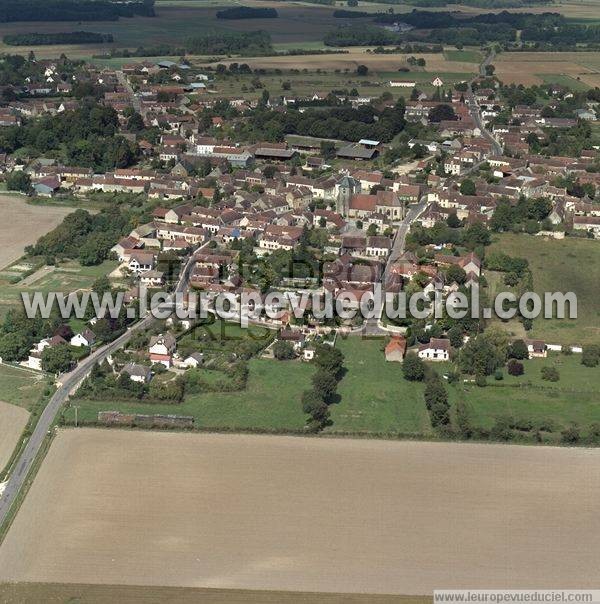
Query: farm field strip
[23, 223]
[255, 512]
[13, 420]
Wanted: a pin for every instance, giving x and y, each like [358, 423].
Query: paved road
[373, 327]
[135, 100]
[67, 385]
[474, 107]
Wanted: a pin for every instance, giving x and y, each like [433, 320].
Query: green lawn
[375, 398]
[20, 387]
[574, 398]
[563, 80]
[466, 56]
[271, 401]
[570, 265]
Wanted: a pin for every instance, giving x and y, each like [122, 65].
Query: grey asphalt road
[371, 327]
[474, 107]
[68, 383]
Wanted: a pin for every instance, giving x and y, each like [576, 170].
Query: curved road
[67, 385]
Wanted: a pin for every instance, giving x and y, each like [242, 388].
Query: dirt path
[42, 272]
[22, 224]
[12, 422]
[270, 512]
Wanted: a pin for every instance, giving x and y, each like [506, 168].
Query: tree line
[72, 10]
[248, 43]
[247, 12]
[73, 37]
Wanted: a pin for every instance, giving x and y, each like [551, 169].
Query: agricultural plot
[177, 21]
[464, 56]
[109, 594]
[20, 390]
[20, 387]
[12, 422]
[66, 278]
[576, 69]
[22, 224]
[272, 512]
[570, 265]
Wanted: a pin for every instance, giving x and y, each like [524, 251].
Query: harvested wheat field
[12, 422]
[436, 62]
[22, 224]
[532, 66]
[302, 514]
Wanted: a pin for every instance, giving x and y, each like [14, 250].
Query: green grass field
[271, 401]
[563, 80]
[574, 398]
[305, 84]
[67, 277]
[467, 56]
[20, 387]
[570, 265]
[375, 398]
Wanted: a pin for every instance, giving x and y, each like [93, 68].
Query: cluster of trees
[86, 136]
[543, 30]
[485, 353]
[436, 395]
[73, 37]
[591, 355]
[329, 362]
[562, 141]
[104, 384]
[73, 10]
[408, 48]
[474, 3]
[441, 113]
[18, 333]
[250, 43]
[283, 350]
[247, 12]
[474, 236]
[18, 181]
[83, 236]
[528, 214]
[14, 69]
[343, 122]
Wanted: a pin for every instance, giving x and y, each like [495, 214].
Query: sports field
[256, 512]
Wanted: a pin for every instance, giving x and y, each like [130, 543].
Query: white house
[141, 262]
[86, 338]
[194, 360]
[437, 349]
[137, 373]
[161, 349]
